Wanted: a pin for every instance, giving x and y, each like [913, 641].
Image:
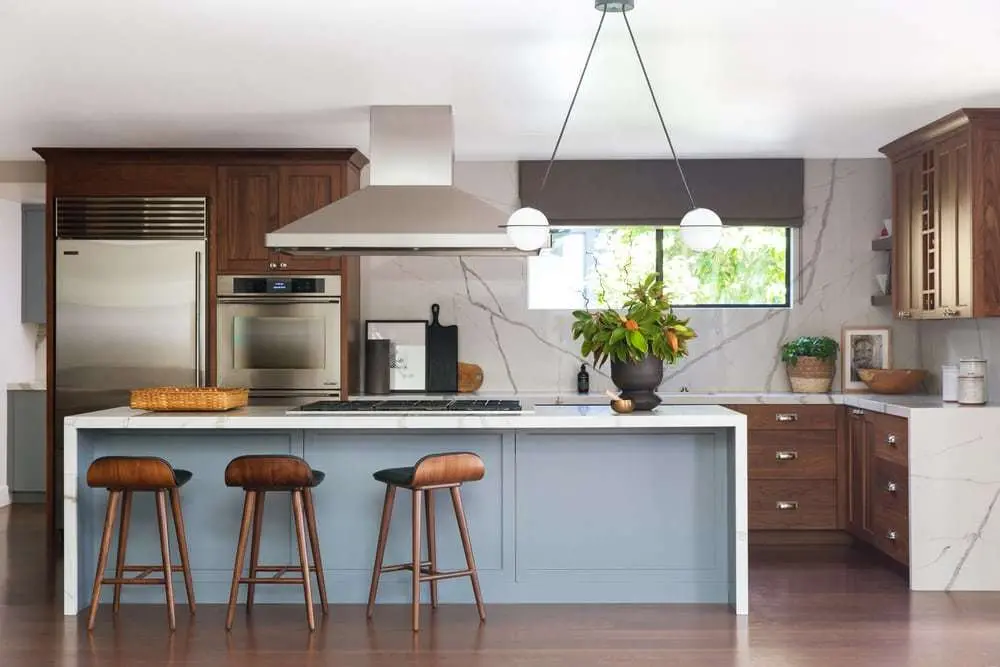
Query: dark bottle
[583, 380]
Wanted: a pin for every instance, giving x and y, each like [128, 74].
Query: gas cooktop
[423, 406]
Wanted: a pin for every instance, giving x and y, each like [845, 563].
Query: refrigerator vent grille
[131, 217]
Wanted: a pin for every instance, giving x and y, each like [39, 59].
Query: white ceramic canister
[949, 382]
[972, 381]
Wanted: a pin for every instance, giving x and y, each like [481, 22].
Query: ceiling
[810, 78]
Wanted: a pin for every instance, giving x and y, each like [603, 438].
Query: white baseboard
[4, 495]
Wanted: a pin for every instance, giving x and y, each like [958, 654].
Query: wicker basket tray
[188, 399]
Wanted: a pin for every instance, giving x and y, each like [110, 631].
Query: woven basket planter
[810, 375]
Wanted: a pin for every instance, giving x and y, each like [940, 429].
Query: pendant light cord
[656, 105]
[576, 92]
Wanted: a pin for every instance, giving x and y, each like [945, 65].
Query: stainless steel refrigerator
[130, 302]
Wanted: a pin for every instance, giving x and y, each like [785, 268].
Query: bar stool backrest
[451, 468]
[266, 471]
[131, 472]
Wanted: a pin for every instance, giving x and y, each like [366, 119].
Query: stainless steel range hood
[411, 206]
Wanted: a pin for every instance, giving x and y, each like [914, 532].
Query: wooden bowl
[892, 380]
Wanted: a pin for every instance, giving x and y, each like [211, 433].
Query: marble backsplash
[519, 349]
[947, 341]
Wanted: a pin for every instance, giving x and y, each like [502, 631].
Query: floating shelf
[881, 299]
[882, 243]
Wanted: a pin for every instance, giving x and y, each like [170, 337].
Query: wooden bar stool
[432, 472]
[259, 474]
[122, 476]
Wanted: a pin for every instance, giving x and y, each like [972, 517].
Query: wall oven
[279, 336]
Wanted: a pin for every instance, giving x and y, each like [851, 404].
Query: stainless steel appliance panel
[129, 314]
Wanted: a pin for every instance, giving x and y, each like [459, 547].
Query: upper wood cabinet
[946, 217]
[254, 200]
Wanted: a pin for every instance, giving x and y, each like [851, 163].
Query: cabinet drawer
[793, 504]
[892, 537]
[890, 438]
[792, 454]
[790, 417]
[890, 489]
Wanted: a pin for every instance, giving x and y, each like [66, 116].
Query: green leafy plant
[645, 325]
[821, 347]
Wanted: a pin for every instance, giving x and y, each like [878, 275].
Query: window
[593, 266]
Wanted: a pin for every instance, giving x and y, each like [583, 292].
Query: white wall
[736, 349]
[17, 341]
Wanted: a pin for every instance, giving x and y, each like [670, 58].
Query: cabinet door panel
[248, 210]
[304, 189]
[954, 213]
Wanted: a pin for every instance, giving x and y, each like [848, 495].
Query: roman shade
[650, 192]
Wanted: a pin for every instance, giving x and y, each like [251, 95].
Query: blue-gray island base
[578, 505]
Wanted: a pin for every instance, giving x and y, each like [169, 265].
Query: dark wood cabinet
[254, 200]
[878, 482]
[946, 227]
[246, 210]
[793, 456]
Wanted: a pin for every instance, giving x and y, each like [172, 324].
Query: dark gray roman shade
[650, 192]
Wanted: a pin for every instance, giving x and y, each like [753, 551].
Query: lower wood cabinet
[793, 453]
[878, 482]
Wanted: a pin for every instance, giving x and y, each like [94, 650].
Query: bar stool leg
[418, 496]
[300, 533]
[248, 507]
[314, 542]
[122, 546]
[161, 519]
[463, 529]
[102, 559]
[383, 534]
[258, 523]
[182, 545]
[431, 544]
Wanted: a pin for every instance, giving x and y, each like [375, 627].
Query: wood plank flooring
[816, 607]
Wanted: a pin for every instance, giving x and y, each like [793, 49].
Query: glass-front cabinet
[946, 218]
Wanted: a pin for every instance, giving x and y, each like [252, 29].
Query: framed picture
[863, 347]
[407, 352]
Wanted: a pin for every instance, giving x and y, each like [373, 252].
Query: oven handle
[276, 302]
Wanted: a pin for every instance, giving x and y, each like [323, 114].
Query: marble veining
[524, 350]
[954, 489]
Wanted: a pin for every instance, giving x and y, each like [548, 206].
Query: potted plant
[810, 362]
[638, 339]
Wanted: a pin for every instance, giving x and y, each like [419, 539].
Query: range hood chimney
[411, 206]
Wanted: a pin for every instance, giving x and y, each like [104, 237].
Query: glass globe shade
[528, 229]
[701, 229]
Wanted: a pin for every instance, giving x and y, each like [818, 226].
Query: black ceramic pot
[638, 380]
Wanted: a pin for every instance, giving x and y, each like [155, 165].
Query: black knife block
[377, 356]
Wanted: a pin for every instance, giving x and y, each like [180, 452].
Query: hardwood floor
[817, 606]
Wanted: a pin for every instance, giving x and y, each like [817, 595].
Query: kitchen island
[579, 504]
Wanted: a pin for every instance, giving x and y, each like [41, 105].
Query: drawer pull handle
[786, 505]
[891, 440]
[891, 536]
[786, 456]
[858, 412]
[786, 417]
[890, 487]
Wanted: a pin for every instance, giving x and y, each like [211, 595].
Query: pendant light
[700, 228]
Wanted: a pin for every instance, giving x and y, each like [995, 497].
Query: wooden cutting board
[442, 355]
[470, 377]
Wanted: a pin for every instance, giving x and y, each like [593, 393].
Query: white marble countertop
[894, 404]
[539, 417]
[34, 385]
